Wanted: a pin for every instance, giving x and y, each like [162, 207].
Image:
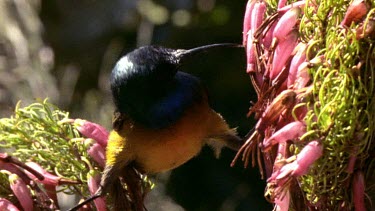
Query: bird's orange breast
[157, 150]
[161, 150]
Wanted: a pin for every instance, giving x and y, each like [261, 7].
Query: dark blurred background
[65, 50]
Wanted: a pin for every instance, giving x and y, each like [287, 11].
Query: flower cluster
[312, 65]
[44, 151]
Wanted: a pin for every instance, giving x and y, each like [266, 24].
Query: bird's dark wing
[167, 108]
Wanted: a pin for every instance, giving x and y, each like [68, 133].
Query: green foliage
[342, 105]
[43, 134]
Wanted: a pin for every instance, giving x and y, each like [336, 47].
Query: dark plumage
[150, 89]
[162, 120]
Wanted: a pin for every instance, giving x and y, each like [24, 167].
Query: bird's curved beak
[182, 54]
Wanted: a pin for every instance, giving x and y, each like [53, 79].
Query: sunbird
[162, 119]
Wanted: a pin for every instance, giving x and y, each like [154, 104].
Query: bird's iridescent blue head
[144, 64]
[143, 76]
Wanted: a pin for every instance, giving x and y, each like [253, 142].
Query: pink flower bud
[15, 170]
[356, 11]
[352, 160]
[21, 191]
[13, 165]
[257, 15]
[302, 77]
[92, 130]
[96, 152]
[308, 155]
[286, 8]
[250, 54]
[247, 20]
[282, 154]
[7, 205]
[297, 60]
[93, 180]
[282, 53]
[290, 131]
[286, 24]
[49, 179]
[282, 202]
[359, 191]
[268, 37]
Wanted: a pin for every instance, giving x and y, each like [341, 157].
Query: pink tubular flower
[257, 15]
[247, 20]
[21, 191]
[286, 8]
[308, 155]
[13, 165]
[302, 77]
[49, 179]
[288, 132]
[13, 169]
[96, 152]
[7, 205]
[352, 159]
[282, 202]
[359, 191]
[268, 37]
[93, 180]
[282, 154]
[296, 62]
[250, 53]
[356, 11]
[286, 24]
[10, 168]
[92, 130]
[283, 51]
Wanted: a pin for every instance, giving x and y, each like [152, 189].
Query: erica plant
[312, 64]
[45, 152]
